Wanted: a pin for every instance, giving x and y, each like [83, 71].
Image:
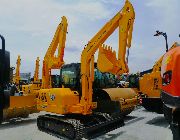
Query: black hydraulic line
[165, 35]
[127, 56]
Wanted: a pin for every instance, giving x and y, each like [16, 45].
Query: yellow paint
[151, 83]
[124, 19]
[16, 78]
[50, 60]
[168, 59]
[126, 96]
[20, 106]
[67, 101]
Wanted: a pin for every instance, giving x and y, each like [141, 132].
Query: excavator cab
[133, 80]
[55, 81]
[70, 77]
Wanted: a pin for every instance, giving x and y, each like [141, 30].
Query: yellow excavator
[35, 83]
[150, 83]
[50, 61]
[12, 103]
[79, 110]
[150, 86]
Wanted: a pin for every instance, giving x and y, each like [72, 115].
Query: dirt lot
[139, 125]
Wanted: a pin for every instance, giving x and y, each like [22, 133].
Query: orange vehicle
[170, 95]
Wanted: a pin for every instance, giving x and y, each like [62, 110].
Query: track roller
[79, 126]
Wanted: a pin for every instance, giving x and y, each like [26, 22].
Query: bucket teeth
[108, 52]
[107, 61]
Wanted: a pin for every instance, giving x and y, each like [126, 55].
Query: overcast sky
[29, 25]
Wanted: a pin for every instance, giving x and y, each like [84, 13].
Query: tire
[1, 116]
[1, 107]
[6, 103]
[152, 105]
[26, 115]
[168, 114]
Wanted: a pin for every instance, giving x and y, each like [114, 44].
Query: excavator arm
[50, 60]
[124, 19]
[17, 74]
[35, 84]
[36, 72]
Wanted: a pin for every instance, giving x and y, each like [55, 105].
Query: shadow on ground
[16, 123]
[128, 118]
[134, 120]
[110, 136]
[158, 121]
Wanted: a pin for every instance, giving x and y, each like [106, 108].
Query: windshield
[69, 77]
[104, 80]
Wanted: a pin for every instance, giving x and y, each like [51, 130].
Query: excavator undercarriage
[79, 126]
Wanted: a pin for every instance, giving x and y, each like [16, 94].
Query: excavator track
[78, 126]
[60, 126]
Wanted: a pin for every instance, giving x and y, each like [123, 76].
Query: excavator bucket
[107, 61]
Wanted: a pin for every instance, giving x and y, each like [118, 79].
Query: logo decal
[52, 97]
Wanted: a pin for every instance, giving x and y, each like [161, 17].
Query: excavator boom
[17, 74]
[124, 19]
[50, 60]
[36, 72]
[35, 84]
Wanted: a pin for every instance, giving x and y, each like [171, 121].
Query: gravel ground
[139, 125]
